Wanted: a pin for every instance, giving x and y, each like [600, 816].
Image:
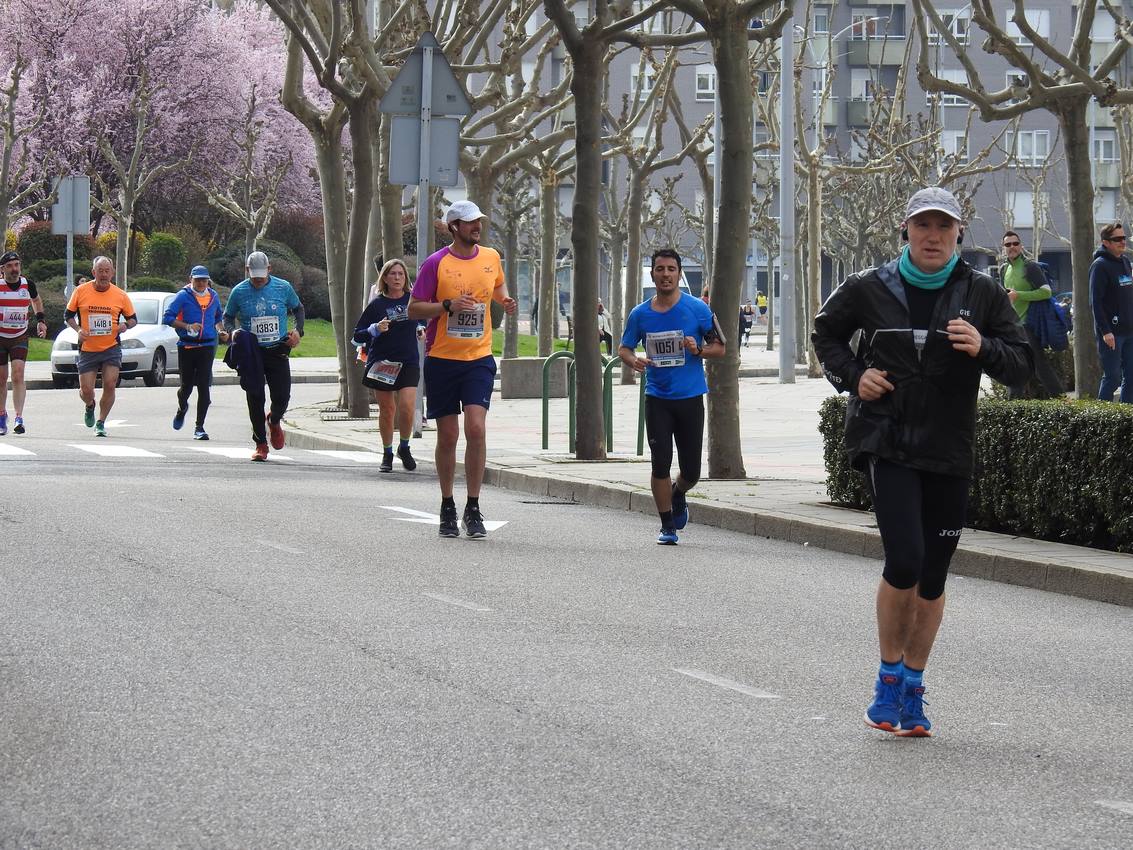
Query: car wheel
[155, 377]
[62, 382]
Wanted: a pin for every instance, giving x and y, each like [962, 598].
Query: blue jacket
[1111, 294]
[185, 307]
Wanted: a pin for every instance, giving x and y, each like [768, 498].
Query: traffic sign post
[70, 214]
[425, 149]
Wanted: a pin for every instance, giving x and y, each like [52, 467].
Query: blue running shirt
[263, 311]
[677, 373]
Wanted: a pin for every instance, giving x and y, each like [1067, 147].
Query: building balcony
[858, 113]
[1103, 117]
[877, 52]
[1107, 175]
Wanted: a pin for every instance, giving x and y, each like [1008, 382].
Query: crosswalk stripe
[234, 452]
[14, 451]
[357, 456]
[111, 450]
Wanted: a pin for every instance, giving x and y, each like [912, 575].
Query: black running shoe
[406, 457]
[387, 462]
[473, 523]
[449, 526]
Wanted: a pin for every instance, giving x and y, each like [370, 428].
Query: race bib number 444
[13, 317]
[666, 348]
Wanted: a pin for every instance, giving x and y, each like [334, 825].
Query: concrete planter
[522, 377]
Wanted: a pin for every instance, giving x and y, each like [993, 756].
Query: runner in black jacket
[930, 324]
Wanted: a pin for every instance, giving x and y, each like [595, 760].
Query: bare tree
[1064, 91]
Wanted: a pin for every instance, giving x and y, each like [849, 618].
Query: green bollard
[558, 355]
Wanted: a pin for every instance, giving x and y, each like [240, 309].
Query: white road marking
[234, 452]
[460, 603]
[1117, 805]
[996, 723]
[110, 450]
[119, 423]
[359, 456]
[726, 683]
[14, 451]
[280, 547]
[434, 519]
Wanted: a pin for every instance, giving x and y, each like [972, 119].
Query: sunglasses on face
[1011, 244]
[1115, 239]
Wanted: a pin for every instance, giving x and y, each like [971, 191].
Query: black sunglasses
[1012, 244]
[1115, 239]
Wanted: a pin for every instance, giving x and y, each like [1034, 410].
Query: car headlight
[61, 344]
[133, 343]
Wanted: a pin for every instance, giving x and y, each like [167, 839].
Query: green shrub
[1052, 470]
[38, 270]
[164, 256]
[226, 265]
[54, 303]
[11, 241]
[106, 245]
[197, 247]
[303, 232]
[312, 291]
[35, 242]
[152, 283]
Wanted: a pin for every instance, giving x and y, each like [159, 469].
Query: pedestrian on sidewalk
[604, 328]
[679, 331]
[256, 317]
[1026, 283]
[197, 316]
[19, 301]
[98, 312]
[392, 367]
[453, 289]
[1111, 299]
[910, 424]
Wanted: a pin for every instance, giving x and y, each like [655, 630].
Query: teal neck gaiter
[920, 279]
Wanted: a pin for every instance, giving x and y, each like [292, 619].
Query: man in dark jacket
[1111, 299]
[929, 325]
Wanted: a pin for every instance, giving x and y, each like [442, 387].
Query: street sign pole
[424, 205]
[70, 215]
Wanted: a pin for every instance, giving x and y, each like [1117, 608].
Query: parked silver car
[149, 349]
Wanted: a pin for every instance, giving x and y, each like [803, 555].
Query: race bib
[666, 348]
[100, 324]
[266, 329]
[383, 372]
[467, 324]
[14, 318]
[397, 314]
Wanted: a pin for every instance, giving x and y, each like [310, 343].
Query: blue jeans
[1117, 368]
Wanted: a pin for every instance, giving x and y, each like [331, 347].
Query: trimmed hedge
[165, 256]
[38, 270]
[226, 266]
[152, 283]
[1052, 470]
[35, 242]
[313, 292]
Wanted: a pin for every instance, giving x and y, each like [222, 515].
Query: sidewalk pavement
[783, 497]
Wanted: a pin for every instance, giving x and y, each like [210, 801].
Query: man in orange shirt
[95, 312]
[453, 289]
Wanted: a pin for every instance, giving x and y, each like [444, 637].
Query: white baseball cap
[257, 264]
[463, 211]
[934, 199]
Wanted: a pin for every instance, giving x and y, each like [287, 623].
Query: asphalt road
[198, 651]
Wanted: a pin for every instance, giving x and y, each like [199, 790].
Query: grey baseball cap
[934, 199]
[257, 264]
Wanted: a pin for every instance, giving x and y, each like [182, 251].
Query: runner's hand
[690, 345]
[383, 325]
[292, 339]
[509, 304]
[964, 337]
[463, 302]
[223, 336]
[872, 385]
[41, 329]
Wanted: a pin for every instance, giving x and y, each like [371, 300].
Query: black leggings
[277, 372]
[920, 515]
[681, 420]
[195, 366]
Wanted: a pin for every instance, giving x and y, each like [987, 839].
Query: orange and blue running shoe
[885, 711]
[913, 723]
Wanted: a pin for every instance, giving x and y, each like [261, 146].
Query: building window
[761, 139]
[1105, 205]
[956, 21]
[821, 20]
[765, 80]
[1022, 207]
[1031, 147]
[866, 24]
[954, 143]
[1037, 19]
[953, 75]
[862, 84]
[1104, 29]
[705, 82]
[1105, 146]
[641, 80]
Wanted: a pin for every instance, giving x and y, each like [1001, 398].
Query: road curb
[217, 380]
[977, 559]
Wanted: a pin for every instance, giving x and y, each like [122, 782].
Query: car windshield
[148, 310]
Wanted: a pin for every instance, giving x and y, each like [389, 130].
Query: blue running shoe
[668, 536]
[913, 724]
[179, 417]
[885, 711]
[680, 509]
[200, 434]
[3, 424]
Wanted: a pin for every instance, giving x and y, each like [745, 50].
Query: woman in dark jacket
[929, 326]
[392, 360]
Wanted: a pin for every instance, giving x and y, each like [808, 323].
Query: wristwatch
[447, 304]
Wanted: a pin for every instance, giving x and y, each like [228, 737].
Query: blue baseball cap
[199, 271]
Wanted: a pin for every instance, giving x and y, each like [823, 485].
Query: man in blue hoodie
[1111, 298]
[195, 313]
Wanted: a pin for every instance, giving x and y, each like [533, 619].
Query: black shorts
[408, 376]
[681, 421]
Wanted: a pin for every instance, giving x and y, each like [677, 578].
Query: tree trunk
[361, 203]
[332, 183]
[1076, 137]
[511, 271]
[635, 202]
[125, 219]
[548, 296]
[374, 237]
[814, 261]
[734, 157]
[393, 240]
[586, 85]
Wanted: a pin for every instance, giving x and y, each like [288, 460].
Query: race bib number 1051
[666, 348]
